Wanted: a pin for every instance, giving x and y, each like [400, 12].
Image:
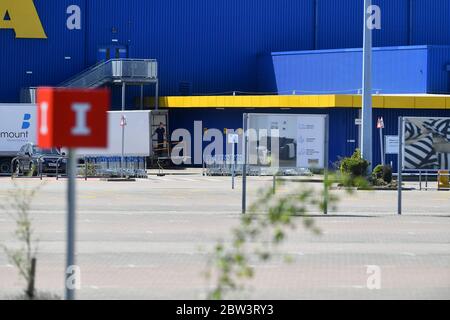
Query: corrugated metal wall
[344, 136]
[340, 23]
[208, 45]
[395, 70]
[439, 69]
[32, 62]
[430, 22]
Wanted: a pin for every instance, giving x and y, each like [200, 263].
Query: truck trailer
[17, 127]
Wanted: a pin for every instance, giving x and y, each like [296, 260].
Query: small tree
[262, 230]
[18, 205]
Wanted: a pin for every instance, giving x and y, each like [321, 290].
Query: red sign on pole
[72, 118]
[380, 123]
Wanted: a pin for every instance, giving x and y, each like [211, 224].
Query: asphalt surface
[151, 239]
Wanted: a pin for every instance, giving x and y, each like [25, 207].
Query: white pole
[366, 135]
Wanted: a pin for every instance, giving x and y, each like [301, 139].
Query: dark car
[32, 159]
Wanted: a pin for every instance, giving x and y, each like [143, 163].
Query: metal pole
[244, 167]
[122, 160]
[326, 156]
[420, 180]
[400, 165]
[157, 95]
[274, 182]
[383, 161]
[142, 97]
[233, 174]
[123, 130]
[85, 169]
[366, 146]
[70, 292]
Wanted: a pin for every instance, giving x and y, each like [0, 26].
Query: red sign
[380, 124]
[123, 121]
[72, 118]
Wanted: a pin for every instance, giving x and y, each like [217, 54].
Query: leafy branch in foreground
[18, 205]
[263, 229]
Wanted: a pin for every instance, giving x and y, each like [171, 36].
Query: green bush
[382, 175]
[354, 166]
[90, 171]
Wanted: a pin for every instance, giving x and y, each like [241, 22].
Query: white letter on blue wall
[74, 20]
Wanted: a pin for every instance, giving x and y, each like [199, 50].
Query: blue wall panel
[430, 22]
[45, 58]
[340, 24]
[210, 44]
[439, 69]
[395, 70]
[343, 138]
[343, 131]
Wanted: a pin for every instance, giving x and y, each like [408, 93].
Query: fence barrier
[110, 167]
[222, 165]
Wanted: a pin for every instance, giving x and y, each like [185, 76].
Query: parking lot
[150, 239]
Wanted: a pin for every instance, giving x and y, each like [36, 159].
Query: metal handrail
[17, 159]
[57, 166]
[12, 165]
[40, 161]
[139, 70]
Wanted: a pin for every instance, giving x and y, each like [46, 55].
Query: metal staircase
[115, 71]
[123, 72]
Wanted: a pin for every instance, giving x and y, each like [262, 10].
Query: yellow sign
[22, 17]
[443, 180]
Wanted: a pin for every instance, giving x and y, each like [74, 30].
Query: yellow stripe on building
[307, 101]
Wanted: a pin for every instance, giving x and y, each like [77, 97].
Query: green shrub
[382, 175]
[90, 171]
[354, 166]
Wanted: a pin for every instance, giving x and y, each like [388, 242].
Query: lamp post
[366, 134]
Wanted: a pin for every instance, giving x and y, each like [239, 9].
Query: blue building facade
[203, 46]
[396, 70]
[217, 47]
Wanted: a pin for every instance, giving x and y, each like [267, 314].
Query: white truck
[17, 127]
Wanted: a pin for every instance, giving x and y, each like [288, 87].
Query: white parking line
[188, 179]
[410, 254]
[357, 287]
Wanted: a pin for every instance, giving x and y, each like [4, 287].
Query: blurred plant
[263, 229]
[355, 166]
[33, 170]
[90, 170]
[382, 175]
[18, 205]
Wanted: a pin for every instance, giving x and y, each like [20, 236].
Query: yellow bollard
[443, 180]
